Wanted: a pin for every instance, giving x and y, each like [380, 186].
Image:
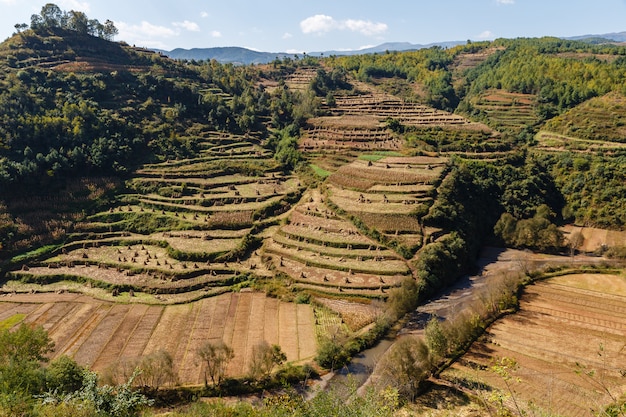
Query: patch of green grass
[34, 253]
[377, 156]
[8, 323]
[320, 172]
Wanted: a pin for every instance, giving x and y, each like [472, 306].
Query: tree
[154, 371]
[216, 357]
[21, 375]
[406, 366]
[78, 22]
[51, 15]
[436, 338]
[264, 358]
[64, 375]
[110, 31]
[19, 27]
[107, 400]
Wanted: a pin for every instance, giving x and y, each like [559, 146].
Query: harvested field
[354, 315]
[565, 325]
[98, 334]
[595, 239]
[551, 141]
[324, 252]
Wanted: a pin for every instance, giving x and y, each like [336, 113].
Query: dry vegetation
[101, 334]
[566, 328]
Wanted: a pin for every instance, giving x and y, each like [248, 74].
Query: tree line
[51, 17]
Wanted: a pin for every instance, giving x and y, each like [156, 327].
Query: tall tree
[216, 357]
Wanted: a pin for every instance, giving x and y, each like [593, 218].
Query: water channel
[446, 303]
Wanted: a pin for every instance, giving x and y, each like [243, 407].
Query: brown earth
[98, 334]
[569, 344]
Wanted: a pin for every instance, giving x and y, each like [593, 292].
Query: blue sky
[322, 25]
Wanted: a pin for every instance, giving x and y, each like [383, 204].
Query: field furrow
[240, 342]
[307, 348]
[137, 342]
[82, 330]
[567, 341]
[95, 344]
[288, 325]
[185, 331]
[190, 367]
[18, 309]
[217, 331]
[271, 324]
[112, 351]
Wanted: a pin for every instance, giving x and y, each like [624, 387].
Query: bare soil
[568, 341]
[98, 334]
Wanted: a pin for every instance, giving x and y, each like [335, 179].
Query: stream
[446, 303]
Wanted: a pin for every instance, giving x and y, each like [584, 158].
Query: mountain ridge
[245, 56]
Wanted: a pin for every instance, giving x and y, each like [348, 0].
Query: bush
[331, 354]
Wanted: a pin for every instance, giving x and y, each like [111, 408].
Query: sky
[298, 26]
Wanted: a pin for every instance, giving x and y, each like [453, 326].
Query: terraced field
[389, 194]
[512, 111]
[357, 122]
[566, 328]
[325, 253]
[100, 334]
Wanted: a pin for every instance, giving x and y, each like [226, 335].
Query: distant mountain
[614, 37]
[237, 55]
[229, 54]
[389, 47]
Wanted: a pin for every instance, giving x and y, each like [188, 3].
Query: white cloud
[321, 23]
[366, 28]
[505, 1]
[487, 34]
[145, 29]
[318, 23]
[8, 1]
[216, 34]
[145, 34]
[287, 35]
[204, 15]
[190, 26]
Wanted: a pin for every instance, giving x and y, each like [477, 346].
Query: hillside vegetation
[162, 191]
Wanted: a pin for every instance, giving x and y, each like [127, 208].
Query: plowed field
[98, 334]
[569, 342]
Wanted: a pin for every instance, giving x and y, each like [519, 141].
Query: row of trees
[52, 17]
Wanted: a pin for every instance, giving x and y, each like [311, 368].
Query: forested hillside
[339, 192]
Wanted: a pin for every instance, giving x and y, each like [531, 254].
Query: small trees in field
[264, 358]
[216, 357]
[153, 371]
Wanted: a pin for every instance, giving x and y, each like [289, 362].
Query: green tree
[78, 21]
[64, 375]
[21, 375]
[436, 338]
[51, 16]
[107, 400]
